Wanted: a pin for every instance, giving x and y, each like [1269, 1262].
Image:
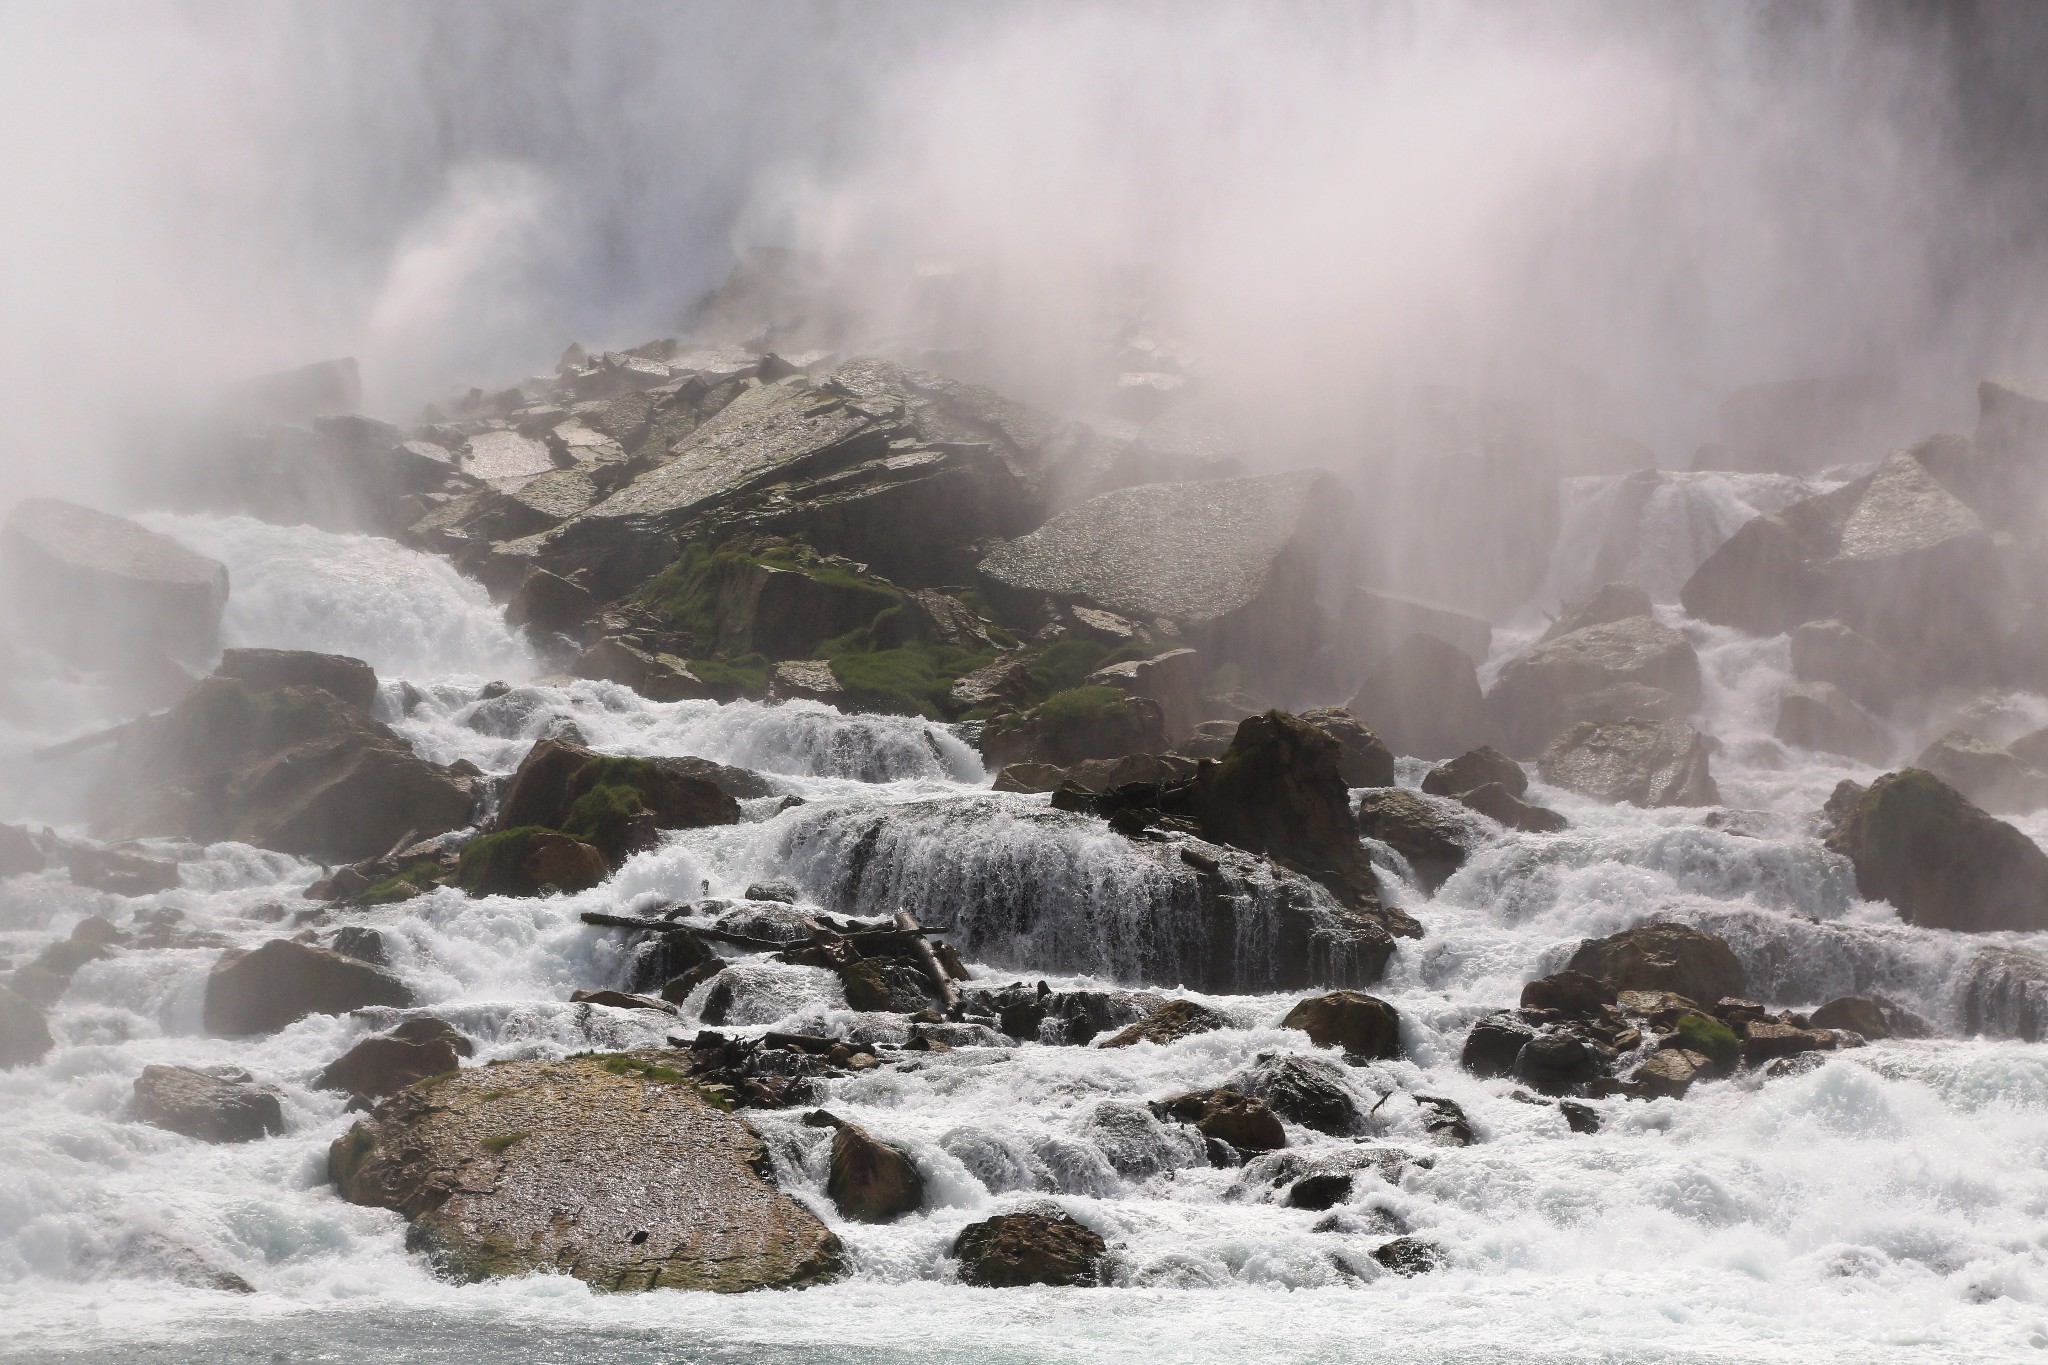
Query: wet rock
[267, 670]
[529, 861]
[1303, 1090]
[614, 803]
[780, 889]
[1557, 1062]
[1016, 1249]
[1643, 762]
[1476, 768]
[263, 990]
[1424, 699]
[1765, 1040]
[1409, 1256]
[1638, 668]
[1361, 758]
[620, 1000]
[1580, 1118]
[1493, 1044]
[19, 853]
[1830, 652]
[1172, 681]
[1244, 1123]
[1607, 604]
[24, 1035]
[893, 984]
[1668, 1074]
[1992, 777]
[384, 1065]
[101, 590]
[1171, 1022]
[1495, 803]
[675, 1192]
[1822, 716]
[1445, 1122]
[1099, 774]
[1663, 957]
[1764, 579]
[214, 1104]
[1434, 843]
[1569, 992]
[122, 874]
[1942, 863]
[1870, 1016]
[1364, 1026]
[870, 1181]
[2006, 995]
[1074, 726]
[1319, 1192]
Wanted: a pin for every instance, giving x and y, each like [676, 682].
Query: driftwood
[928, 959]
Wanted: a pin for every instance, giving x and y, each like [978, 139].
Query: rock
[1663, 957]
[1227, 1116]
[296, 769]
[1637, 668]
[612, 802]
[1363, 1025]
[1097, 775]
[1670, 1073]
[1765, 1040]
[1445, 1122]
[1764, 579]
[122, 874]
[870, 1181]
[2006, 995]
[673, 1192]
[362, 944]
[1171, 680]
[1361, 758]
[101, 590]
[1476, 768]
[1317, 1193]
[19, 854]
[1822, 716]
[806, 680]
[1609, 603]
[267, 670]
[1870, 1016]
[218, 1104]
[886, 984]
[1373, 625]
[1303, 1090]
[1424, 699]
[1171, 1022]
[1493, 1044]
[1569, 992]
[1646, 763]
[24, 1036]
[283, 981]
[1076, 725]
[1016, 1249]
[529, 861]
[1830, 652]
[1434, 844]
[1557, 1062]
[1992, 777]
[1236, 564]
[384, 1065]
[1495, 803]
[1409, 1256]
[1942, 863]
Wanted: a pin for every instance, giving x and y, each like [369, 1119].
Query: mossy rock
[529, 861]
[1710, 1038]
[1943, 863]
[1075, 725]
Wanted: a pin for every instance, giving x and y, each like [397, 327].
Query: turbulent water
[1890, 1205]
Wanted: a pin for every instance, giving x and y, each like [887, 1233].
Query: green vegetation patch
[497, 860]
[912, 680]
[1710, 1037]
[495, 1145]
[425, 875]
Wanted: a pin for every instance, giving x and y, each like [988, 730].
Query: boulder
[1171, 680]
[870, 1181]
[614, 803]
[1434, 843]
[1557, 1062]
[1073, 726]
[19, 853]
[1663, 957]
[1920, 844]
[263, 990]
[1764, 579]
[1830, 652]
[1361, 758]
[893, 985]
[1409, 1256]
[24, 1035]
[120, 873]
[1424, 699]
[1373, 624]
[1993, 777]
[1607, 604]
[1637, 668]
[668, 1190]
[1097, 774]
[529, 861]
[2006, 995]
[1476, 768]
[1644, 762]
[383, 1065]
[1303, 1090]
[216, 1104]
[1765, 1040]
[1569, 992]
[1171, 1022]
[1493, 1045]
[1227, 1116]
[1016, 1249]
[1669, 1073]
[1496, 803]
[296, 769]
[1237, 565]
[1823, 717]
[1871, 1016]
[101, 590]
[1365, 1026]
[267, 670]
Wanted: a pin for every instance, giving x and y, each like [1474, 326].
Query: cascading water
[1885, 1205]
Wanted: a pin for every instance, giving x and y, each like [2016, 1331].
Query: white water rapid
[1889, 1205]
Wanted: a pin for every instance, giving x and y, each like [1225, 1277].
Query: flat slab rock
[611, 1168]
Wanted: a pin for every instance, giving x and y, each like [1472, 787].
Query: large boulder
[611, 802]
[1172, 680]
[24, 1035]
[1643, 762]
[1238, 565]
[1476, 768]
[1663, 957]
[1433, 840]
[1636, 668]
[1920, 844]
[871, 1181]
[1015, 1249]
[530, 861]
[1424, 699]
[101, 590]
[1171, 1022]
[1304, 1090]
[385, 1064]
[1362, 759]
[267, 670]
[217, 1104]
[1363, 1025]
[265, 989]
[1990, 775]
[296, 769]
[1372, 625]
[2005, 995]
[661, 1187]
[1828, 651]
[1821, 716]
[1764, 579]
[1076, 725]
[1227, 1116]
[19, 853]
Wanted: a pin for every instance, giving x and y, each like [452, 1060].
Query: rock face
[284, 981]
[1636, 668]
[24, 1036]
[613, 1169]
[1236, 564]
[1362, 759]
[871, 1182]
[296, 769]
[1423, 699]
[1363, 1025]
[1646, 763]
[384, 1065]
[1663, 957]
[267, 670]
[100, 589]
[218, 1104]
[1015, 1249]
[1943, 863]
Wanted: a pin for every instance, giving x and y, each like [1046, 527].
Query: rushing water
[1891, 1204]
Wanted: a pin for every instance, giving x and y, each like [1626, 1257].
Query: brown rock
[1943, 863]
[1424, 700]
[1171, 1022]
[870, 1181]
[1643, 762]
[381, 1066]
[218, 1104]
[1016, 1249]
[1663, 957]
[1227, 1116]
[1824, 717]
[1363, 1025]
[284, 981]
